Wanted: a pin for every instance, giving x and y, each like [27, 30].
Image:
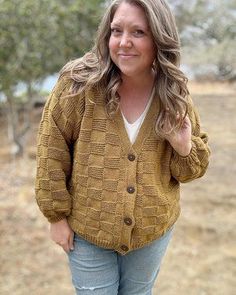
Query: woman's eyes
[136, 33]
[115, 31]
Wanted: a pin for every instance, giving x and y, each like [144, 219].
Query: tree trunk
[12, 116]
[17, 131]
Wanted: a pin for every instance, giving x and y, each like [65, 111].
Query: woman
[118, 135]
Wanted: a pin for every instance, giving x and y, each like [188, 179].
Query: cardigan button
[131, 157]
[124, 248]
[127, 221]
[130, 189]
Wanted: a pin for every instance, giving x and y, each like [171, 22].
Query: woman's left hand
[180, 139]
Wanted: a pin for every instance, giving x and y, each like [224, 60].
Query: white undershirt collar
[133, 128]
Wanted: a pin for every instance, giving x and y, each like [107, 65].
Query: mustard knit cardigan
[113, 194]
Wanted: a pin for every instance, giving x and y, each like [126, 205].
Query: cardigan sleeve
[185, 169]
[58, 129]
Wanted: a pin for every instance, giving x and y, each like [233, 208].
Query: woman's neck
[137, 84]
[134, 96]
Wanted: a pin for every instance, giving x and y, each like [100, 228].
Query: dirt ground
[201, 259]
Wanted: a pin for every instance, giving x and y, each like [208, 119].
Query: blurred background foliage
[208, 35]
[38, 37]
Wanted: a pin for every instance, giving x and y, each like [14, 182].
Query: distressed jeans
[99, 271]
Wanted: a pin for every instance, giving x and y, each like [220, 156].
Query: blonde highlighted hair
[97, 69]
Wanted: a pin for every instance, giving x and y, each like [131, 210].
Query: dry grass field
[201, 259]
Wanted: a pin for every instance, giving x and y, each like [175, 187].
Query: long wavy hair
[97, 69]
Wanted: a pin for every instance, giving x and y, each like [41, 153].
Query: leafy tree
[37, 38]
[208, 35]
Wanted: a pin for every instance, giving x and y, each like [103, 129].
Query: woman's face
[131, 44]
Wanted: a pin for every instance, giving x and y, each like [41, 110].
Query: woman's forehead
[130, 13]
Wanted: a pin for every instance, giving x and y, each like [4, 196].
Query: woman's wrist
[183, 149]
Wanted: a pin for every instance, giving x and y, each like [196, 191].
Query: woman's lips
[126, 55]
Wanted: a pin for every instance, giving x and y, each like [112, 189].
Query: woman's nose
[125, 40]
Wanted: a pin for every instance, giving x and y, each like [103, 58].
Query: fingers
[67, 245]
[62, 235]
[181, 119]
[71, 241]
[186, 124]
[64, 245]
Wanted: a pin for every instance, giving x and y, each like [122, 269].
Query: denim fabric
[99, 271]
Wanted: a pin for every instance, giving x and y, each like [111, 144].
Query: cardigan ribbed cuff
[57, 218]
[186, 168]
[193, 157]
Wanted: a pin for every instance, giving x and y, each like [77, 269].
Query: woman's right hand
[62, 234]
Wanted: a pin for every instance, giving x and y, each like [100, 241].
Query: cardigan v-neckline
[133, 128]
[145, 129]
[144, 112]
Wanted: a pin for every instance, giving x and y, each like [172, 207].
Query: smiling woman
[131, 44]
[133, 51]
[118, 135]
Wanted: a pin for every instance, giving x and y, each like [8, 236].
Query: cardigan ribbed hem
[111, 245]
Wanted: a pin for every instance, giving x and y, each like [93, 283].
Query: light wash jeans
[99, 271]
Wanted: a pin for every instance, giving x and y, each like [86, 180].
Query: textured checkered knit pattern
[114, 194]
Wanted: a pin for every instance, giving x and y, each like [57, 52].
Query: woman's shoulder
[67, 89]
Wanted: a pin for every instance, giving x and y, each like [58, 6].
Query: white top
[133, 128]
